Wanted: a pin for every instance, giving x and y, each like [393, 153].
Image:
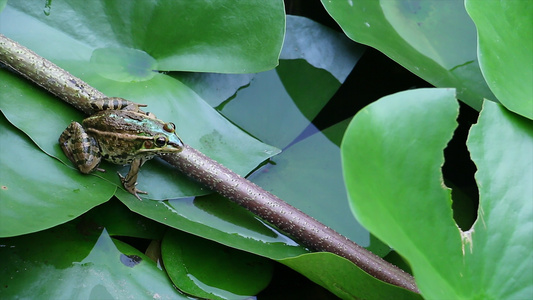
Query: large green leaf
[434, 39]
[392, 155]
[36, 192]
[268, 111]
[71, 262]
[223, 36]
[505, 44]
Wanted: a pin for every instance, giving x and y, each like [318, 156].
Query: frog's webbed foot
[130, 181]
[130, 184]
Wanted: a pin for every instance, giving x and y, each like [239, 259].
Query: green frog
[121, 133]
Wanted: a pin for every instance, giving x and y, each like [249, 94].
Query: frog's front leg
[130, 181]
[80, 148]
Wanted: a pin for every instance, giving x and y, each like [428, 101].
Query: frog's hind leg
[80, 148]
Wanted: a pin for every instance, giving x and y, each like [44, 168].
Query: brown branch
[201, 168]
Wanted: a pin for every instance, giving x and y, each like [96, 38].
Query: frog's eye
[161, 140]
[169, 127]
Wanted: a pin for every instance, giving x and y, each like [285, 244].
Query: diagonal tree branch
[210, 173]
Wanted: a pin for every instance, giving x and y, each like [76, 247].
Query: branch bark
[210, 173]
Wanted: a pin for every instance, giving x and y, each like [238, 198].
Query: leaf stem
[201, 168]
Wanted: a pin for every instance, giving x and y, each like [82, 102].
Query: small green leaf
[434, 39]
[505, 46]
[209, 270]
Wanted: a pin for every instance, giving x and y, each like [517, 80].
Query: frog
[121, 133]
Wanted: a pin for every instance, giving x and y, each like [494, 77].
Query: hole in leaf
[458, 171]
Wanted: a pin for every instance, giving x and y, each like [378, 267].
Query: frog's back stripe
[119, 135]
[112, 103]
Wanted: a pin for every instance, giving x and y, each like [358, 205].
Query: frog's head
[164, 140]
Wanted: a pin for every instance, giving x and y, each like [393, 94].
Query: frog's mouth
[169, 148]
[176, 145]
